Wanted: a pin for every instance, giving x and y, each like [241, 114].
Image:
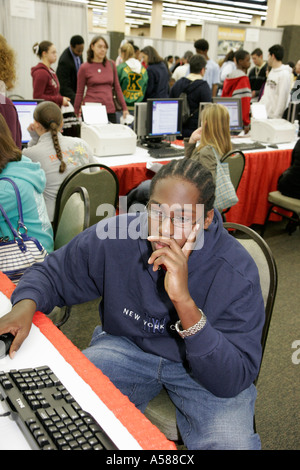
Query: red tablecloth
[147, 435]
[260, 176]
[261, 173]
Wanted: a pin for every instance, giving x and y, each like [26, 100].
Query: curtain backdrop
[54, 20]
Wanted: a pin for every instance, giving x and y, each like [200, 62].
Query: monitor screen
[201, 108]
[235, 112]
[164, 117]
[25, 110]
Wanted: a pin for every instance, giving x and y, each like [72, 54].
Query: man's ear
[208, 219]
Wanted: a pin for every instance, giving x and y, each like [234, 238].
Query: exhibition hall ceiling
[138, 12]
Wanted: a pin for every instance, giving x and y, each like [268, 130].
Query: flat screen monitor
[202, 106]
[164, 119]
[293, 111]
[25, 110]
[235, 112]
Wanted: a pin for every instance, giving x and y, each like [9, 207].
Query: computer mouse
[5, 342]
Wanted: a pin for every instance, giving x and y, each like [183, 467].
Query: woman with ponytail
[44, 80]
[57, 154]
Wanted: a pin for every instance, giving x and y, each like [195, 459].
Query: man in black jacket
[196, 89]
[68, 65]
[257, 74]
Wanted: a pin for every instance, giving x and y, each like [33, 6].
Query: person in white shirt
[277, 90]
[212, 73]
[181, 70]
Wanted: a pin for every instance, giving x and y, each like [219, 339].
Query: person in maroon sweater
[7, 82]
[44, 79]
[98, 75]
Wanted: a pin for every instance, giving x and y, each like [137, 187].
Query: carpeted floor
[277, 406]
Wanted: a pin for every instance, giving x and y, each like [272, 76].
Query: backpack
[186, 112]
[185, 107]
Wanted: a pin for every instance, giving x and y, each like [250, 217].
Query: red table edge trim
[149, 436]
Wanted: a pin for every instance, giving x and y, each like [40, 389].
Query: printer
[269, 131]
[107, 140]
[104, 138]
[272, 131]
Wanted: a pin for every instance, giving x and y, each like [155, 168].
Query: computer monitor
[293, 111]
[140, 120]
[235, 112]
[25, 110]
[164, 119]
[201, 108]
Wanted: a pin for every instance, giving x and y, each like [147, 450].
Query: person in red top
[98, 75]
[237, 85]
[7, 83]
[45, 82]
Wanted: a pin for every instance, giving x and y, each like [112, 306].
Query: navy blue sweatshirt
[197, 92]
[224, 356]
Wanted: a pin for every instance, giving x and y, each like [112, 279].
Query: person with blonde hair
[213, 136]
[133, 76]
[7, 82]
[57, 154]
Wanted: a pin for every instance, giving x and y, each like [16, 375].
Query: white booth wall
[58, 20]
[30, 22]
[264, 37]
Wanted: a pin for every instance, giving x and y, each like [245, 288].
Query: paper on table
[94, 113]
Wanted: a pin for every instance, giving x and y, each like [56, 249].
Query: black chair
[161, 411]
[102, 186]
[278, 200]
[264, 259]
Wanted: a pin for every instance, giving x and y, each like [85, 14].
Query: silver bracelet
[192, 329]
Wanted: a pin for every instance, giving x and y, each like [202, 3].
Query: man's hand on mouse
[18, 322]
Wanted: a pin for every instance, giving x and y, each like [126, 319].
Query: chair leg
[292, 224]
[65, 317]
[266, 221]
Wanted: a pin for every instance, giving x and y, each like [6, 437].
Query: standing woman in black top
[158, 74]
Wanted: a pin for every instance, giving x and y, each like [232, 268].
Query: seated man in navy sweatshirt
[189, 311]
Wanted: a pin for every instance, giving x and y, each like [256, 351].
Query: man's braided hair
[195, 173]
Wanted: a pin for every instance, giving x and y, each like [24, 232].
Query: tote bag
[225, 195]
[20, 252]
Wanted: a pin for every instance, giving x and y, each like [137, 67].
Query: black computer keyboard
[47, 414]
[166, 152]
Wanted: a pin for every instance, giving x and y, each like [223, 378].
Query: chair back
[74, 217]
[265, 262]
[236, 163]
[102, 186]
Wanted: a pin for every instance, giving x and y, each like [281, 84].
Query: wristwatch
[192, 329]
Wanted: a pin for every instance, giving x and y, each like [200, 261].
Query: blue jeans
[204, 420]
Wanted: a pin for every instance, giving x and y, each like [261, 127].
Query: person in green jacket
[133, 76]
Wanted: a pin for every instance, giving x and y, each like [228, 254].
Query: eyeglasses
[181, 221]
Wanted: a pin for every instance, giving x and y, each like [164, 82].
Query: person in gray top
[57, 154]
